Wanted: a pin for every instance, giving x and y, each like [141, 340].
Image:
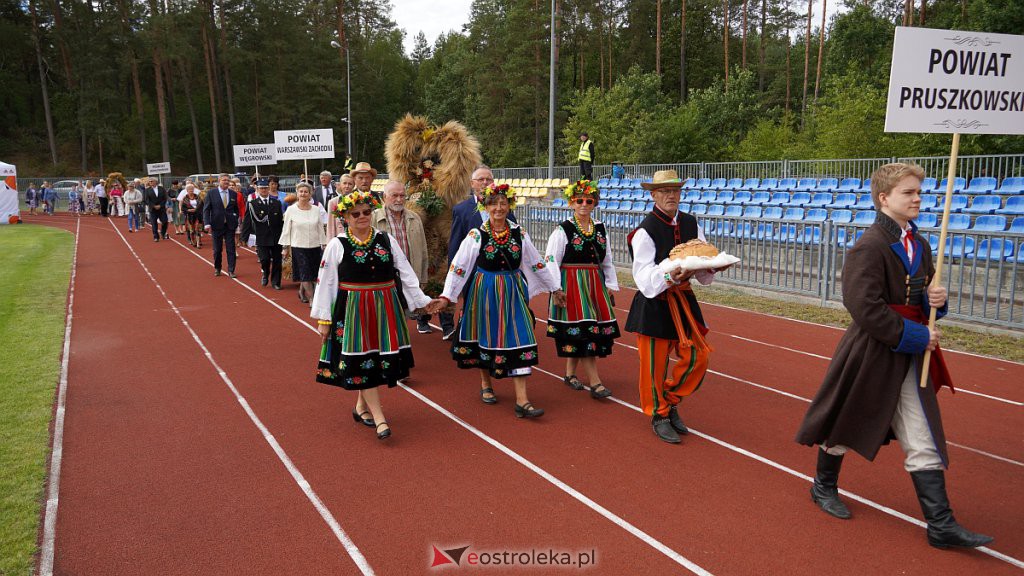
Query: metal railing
[985, 283]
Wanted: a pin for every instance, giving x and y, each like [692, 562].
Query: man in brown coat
[871, 392]
[407, 228]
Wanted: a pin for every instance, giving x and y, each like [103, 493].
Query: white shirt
[532, 265]
[303, 229]
[557, 243]
[327, 281]
[908, 246]
[650, 279]
[101, 192]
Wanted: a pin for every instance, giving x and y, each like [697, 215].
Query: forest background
[101, 85]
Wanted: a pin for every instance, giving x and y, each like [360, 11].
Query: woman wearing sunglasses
[356, 294]
[498, 262]
[579, 260]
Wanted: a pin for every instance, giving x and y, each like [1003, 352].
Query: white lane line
[762, 459]
[609, 515]
[57, 452]
[819, 356]
[350, 547]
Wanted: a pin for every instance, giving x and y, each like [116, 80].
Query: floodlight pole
[551, 100]
[348, 97]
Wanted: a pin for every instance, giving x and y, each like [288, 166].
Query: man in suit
[324, 191]
[155, 198]
[220, 219]
[466, 216]
[264, 218]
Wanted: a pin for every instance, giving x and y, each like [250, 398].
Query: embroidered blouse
[519, 253]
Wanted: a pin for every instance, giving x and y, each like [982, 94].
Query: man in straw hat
[870, 393]
[364, 175]
[665, 314]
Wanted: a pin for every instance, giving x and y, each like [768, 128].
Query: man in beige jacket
[407, 228]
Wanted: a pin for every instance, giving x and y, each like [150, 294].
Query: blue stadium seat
[708, 196]
[602, 183]
[990, 224]
[958, 184]
[1014, 206]
[927, 220]
[793, 214]
[716, 210]
[805, 185]
[699, 209]
[928, 185]
[928, 202]
[787, 184]
[981, 185]
[994, 249]
[854, 236]
[614, 183]
[865, 186]
[1017, 226]
[1013, 185]
[785, 233]
[827, 185]
[751, 184]
[717, 184]
[810, 235]
[744, 230]
[689, 183]
[767, 185]
[800, 199]
[613, 205]
[984, 205]
[820, 200]
[778, 199]
[773, 213]
[843, 200]
[625, 205]
[864, 203]
[725, 197]
[752, 211]
[734, 210]
[841, 216]
[692, 196]
[734, 184]
[849, 185]
[760, 198]
[957, 204]
[959, 222]
[702, 183]
[744, 197]
[959, 246]
[816, 215]
[865, 217]
[1020, 254]
[764, 230]
[684, 207]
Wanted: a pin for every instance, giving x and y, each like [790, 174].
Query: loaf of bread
[694, 247]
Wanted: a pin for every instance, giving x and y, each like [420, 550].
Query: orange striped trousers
[658, 392]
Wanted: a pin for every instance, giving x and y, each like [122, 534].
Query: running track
[192, 439]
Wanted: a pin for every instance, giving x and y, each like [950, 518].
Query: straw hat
[363, 167]
[663, 179]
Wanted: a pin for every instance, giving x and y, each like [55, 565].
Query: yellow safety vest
[585, 150]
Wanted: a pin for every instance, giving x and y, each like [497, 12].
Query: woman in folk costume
[665, 314]
[503, 269]
[871, 392]
[579, 260]
[359, 312]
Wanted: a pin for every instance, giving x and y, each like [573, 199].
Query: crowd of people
[361, 264]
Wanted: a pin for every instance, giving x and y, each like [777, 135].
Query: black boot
[825, 491]
[943, 530]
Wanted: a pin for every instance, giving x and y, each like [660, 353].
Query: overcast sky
[433, 17]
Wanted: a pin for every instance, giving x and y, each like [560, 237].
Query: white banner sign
[255, 155]
[303, 144]
[158, 168]
[955, 81]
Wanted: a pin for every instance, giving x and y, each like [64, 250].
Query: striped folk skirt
[586, 326]
[495, 332]
[369, 341]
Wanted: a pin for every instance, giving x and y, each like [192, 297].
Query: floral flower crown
[580, 188]
[504, 189]
[346, 203]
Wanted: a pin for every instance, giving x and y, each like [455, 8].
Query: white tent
[8, 192]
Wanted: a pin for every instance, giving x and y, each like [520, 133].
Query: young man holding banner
[871, 393]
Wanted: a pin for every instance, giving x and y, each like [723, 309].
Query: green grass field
[36, 266]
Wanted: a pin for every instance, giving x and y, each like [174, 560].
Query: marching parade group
[361, 262]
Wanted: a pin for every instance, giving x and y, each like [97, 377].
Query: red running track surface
[165, 472]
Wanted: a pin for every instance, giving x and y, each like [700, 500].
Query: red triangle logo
[440, 559]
